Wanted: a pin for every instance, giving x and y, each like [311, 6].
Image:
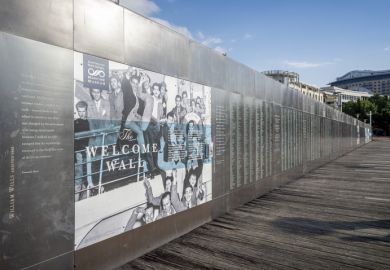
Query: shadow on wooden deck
[315, 227]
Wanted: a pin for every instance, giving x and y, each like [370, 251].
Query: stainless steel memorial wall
[119, 134]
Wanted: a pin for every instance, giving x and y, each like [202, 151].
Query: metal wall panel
[98, 29]
[288, 96]
[208, 67]
[120, 249]
[242, 195]
[245, 78]
[300, 101]
[308, 104]
[49, 21]
[106, 30]
[283, 95]
[175, 54]
[260, 85]
[295, 99]
[231, 84]
[278, 94]
[155, 47]
[304, 103]
[221, 139]
[276, 139]
[269, 90]
[36, 109]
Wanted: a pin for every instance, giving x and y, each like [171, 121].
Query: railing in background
[95, 165]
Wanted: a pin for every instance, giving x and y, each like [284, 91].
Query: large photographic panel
[142, 147]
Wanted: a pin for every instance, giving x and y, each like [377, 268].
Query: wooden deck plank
[335, 217]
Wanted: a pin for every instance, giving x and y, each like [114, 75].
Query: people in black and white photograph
[116, 99]
[140, 152]
[81, 124]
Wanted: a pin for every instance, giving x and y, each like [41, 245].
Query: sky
[320, 40]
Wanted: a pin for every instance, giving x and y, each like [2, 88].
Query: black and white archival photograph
[142, 147]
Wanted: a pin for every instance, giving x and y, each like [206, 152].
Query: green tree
[378, 105]
[359, 107]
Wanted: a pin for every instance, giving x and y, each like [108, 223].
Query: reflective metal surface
[214, 73]
[118, 250]
[98, 29]
[245, 78]
[287, 132]
[49, 21]
[278, 97]
[231, 83]
[221, 139]
[36, 111]
[260, 86]
[269, 90]
[154, 46]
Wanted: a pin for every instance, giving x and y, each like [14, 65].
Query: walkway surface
[336, 217]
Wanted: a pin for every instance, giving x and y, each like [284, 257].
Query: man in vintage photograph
[179, 111]
[152, 133]
[81, 124]
[98, 115]
[116, 100]
[131, 119]
[187, 197]
[166, 207]
[156, 200]
[141, 216]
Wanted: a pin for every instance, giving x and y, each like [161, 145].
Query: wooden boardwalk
[336, 217]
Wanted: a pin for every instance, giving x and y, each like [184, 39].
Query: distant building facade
[365, 80]
[336, 96]
[292, 80]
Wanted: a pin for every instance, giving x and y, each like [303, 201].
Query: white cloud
[233, 40]
[387, 49]
[211, 41]
[220, 50]
[144, 7]
[180, 29]
[200, 35]
[248, 36]
[305, 64]
[208, 40]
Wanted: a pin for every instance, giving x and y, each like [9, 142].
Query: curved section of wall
[153, 113]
